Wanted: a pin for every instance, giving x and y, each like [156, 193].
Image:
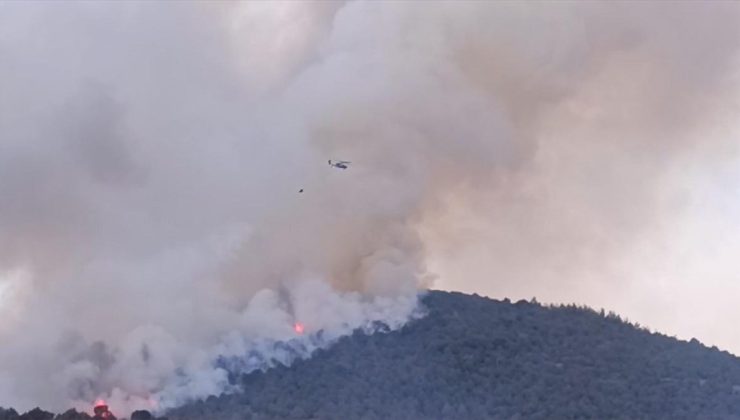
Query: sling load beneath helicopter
[339, 164]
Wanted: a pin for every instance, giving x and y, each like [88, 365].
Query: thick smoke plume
[151, 154]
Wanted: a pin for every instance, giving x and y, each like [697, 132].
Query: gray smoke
[151, 156]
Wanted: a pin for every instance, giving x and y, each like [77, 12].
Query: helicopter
[342, 164]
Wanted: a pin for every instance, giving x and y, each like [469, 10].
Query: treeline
[39, 414]
[477, 358]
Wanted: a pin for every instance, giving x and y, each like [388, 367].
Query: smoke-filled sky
[151, 156]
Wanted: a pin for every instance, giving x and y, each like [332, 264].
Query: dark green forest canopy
[472, 358]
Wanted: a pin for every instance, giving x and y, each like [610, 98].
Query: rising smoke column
[151, 154]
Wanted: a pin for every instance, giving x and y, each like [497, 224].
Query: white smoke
[151, 154]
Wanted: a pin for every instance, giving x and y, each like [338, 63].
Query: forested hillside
[474, 358]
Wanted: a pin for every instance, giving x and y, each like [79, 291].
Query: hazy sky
[151, 156]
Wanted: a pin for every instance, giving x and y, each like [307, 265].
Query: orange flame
[298, 327]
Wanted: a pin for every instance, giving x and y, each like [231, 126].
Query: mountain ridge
[474, 357]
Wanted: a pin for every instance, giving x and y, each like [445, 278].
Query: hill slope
[473, 357]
